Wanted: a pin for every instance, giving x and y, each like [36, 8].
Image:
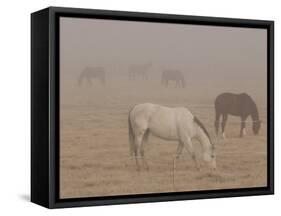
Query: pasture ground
[94, 149]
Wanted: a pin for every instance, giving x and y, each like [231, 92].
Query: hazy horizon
[231, 57]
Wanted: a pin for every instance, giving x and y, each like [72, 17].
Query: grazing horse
[173, 75]
[241, 105]
[139, 71]
[177, 124]
[90, 73]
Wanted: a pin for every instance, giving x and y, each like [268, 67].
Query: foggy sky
[210, 53]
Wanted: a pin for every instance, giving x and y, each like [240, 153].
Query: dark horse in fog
[139, 71]
[173, 75]
[241, 105]
[90, 73]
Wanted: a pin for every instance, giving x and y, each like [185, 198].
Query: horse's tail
[131, 137]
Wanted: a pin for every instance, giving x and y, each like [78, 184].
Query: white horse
[167, 123]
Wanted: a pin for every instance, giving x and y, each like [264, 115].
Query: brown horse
[139, 71]
[173, 75]
[241, 105]
[90, 73]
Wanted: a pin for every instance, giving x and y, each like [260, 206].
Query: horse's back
[142, 112]
[162, 121]
[94, 71]
[233, 103]
[140, 115]
[226, 97]
[171, 122]
[147, 109]
[172, 74]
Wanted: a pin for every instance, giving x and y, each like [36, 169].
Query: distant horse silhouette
[139, 71]
[90, 73]
[173, 75]
[177, 124]
[241, 105]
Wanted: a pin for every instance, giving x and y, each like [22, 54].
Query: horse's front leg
[178, 153]
[189, 146]
[179, 150]
[243, 127]
[224, 119]
[217, 122]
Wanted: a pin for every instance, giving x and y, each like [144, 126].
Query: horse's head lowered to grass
[210, 158]
[256, 126]
[209, 154]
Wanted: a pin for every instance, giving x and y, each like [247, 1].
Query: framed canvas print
[138, 107]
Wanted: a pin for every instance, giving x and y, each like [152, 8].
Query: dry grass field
[94, 148]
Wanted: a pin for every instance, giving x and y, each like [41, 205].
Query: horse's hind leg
[139, 151]
[138, 141]
[144, 141]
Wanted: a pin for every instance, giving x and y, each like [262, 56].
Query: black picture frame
[45, 106]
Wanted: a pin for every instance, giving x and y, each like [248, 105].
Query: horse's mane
[200, 124]
[253, 105]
